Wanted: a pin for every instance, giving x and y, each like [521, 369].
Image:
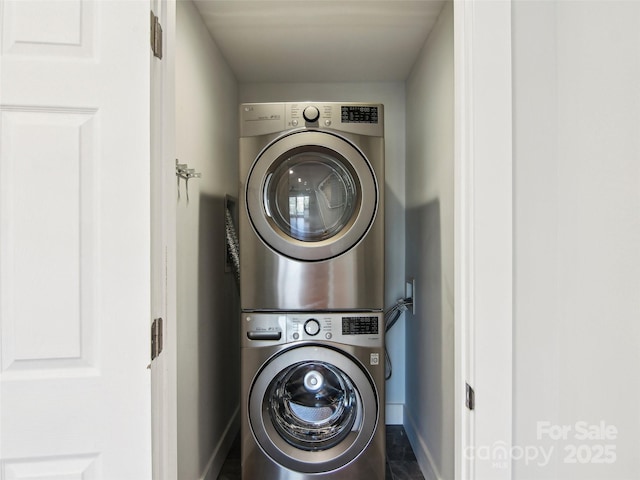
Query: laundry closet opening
[408, 66]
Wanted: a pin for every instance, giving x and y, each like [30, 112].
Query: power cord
[391, 316]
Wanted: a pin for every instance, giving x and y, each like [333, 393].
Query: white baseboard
[394, 414]
[214, 465]
[425, 460]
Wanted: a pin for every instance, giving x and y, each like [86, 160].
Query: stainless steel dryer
[313, 396]
[311, 206]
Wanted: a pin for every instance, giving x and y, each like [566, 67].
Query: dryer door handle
[265, 195]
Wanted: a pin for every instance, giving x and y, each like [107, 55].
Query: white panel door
[74, 240]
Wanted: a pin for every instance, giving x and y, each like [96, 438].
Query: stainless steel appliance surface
[312, 401]
[311, 206]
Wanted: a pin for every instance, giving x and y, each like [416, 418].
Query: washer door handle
[265, 195]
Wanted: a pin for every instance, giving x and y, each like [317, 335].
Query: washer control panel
[352, 328]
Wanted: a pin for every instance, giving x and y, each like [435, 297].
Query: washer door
[311, 195]
[313, 409]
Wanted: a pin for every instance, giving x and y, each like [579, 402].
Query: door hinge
[470, 398]
[156, 338]
[156, 36]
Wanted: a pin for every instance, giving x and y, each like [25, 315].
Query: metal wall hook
[183, 171]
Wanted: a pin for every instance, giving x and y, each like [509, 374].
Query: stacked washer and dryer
[312, 290]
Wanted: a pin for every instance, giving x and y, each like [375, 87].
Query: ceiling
[320, 40]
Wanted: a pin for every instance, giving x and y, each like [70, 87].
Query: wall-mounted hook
[191, 173]
[180, 168]
[183, 171]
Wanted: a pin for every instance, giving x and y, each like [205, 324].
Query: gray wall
[429, 418]
[208, 343]
[576, 330]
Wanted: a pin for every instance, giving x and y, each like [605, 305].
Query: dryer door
[311, 195]
[313, 409]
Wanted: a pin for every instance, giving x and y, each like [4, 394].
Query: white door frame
[483, 237]
[163, 246]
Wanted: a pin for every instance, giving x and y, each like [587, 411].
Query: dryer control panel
[365, 329]
[358, 118]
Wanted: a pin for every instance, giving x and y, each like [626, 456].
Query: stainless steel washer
[313, 396]
[311, 206]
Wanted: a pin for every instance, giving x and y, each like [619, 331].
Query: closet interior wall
[208, 301]
[429, 410]
[207, 98]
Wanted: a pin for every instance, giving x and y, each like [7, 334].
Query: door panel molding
[50, 325]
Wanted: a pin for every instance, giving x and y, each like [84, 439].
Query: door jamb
[483, 237]
[164, 304]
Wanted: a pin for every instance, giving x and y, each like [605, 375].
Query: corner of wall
[420, 449]
[219, 454]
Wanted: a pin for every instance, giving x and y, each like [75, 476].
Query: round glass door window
[311, 196]
[313, 409]
[313, 405]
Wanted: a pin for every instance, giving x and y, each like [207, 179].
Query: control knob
[311, 114]
[312, 327]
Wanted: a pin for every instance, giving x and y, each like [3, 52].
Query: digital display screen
[356, 114]
[359, 325]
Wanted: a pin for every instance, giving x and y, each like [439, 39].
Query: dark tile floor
[401, 462]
